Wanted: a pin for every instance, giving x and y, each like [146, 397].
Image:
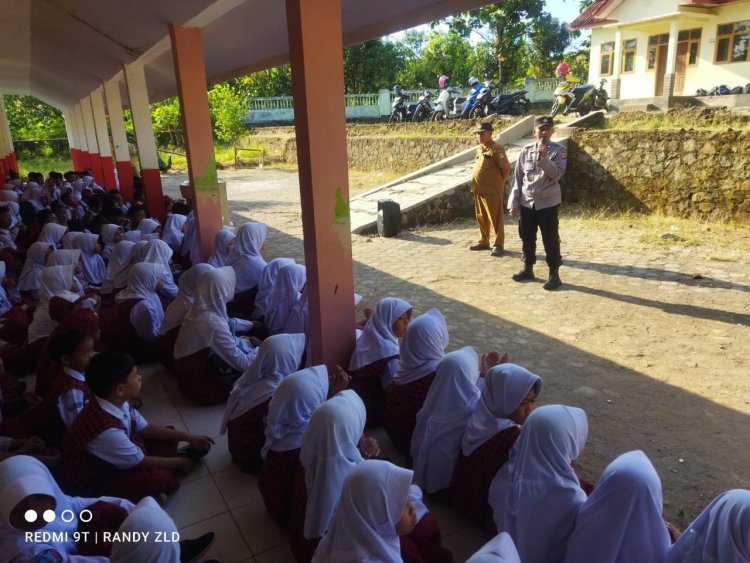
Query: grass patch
[43, 165]
[709, 119]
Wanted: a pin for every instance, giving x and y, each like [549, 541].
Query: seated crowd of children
[91, 288]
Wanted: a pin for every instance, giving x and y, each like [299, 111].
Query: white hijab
[279, 355]
[499, 549]
[147, 516]
[52, 233]
[245, 256]
[535, 496]
[267, 282]
[422, 347]
[117, 269]
[31, 274]
[177, 309]
[291, 407]
[32, 193]
[328, 453]
[377, 340]
[436, 441]
[69, 238]
[289, 284]
[505, 387]
[621, 521]
[720, 534]
[5, 304]
[108, 232]
[172, 233]
[158, 252]
[22, 476]
[373, 497]
[190, 245]
[142, 281]
[148, 226]
[93, 266]
[69, 257]
[138, 251]
[208, 314]
[219, 257]
[132, 236]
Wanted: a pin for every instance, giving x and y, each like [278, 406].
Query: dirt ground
[649, 334]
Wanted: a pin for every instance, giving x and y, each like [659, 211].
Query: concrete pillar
[135, 78]
[102, 137]
[616, 67]
[8, 154]
[190, 71]
[119, 138]
[83, 158]
[71, 134]
[92, 141]
[670, 72]
[316, 50]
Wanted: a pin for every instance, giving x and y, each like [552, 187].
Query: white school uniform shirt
[720, 534]
[292, 405]
[147, 517]
[22, 476]
[287, 291]
[535, 496]
[621, 521]
[117, 268]
[278, 356]
[436, 441]
[328, 452]
[505, 387]
[267, 282]
[147, 315]
[373, 497]
[113, 445]
[245, 255]
[499, 549]
[207, 324]
[219, 258]
[56, 282]
[70, 403]
[422, 347]
[172, 233]
[177, 309]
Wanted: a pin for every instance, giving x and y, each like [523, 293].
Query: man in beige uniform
[491, 168]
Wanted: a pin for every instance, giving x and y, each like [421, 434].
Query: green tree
[167, 121]
[267, 83]
[228, 109]
[372, 65]
[445, 52]
[30, 118]
[548, 40]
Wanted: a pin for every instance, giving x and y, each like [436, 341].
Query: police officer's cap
[544, 120]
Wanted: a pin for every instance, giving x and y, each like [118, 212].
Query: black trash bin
[389, 218]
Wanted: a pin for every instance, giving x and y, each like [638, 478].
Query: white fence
[375, 106]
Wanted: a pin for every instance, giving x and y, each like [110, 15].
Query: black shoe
[526, 274]
[479, 246]
[553, 282]
[496, 251]
[190, 549]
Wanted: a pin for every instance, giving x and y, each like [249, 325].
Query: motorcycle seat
[581, 89]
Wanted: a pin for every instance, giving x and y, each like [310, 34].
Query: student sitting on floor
[92, 263]
[248, 263]
[422, 348]
[158, 252]
[104, 450]
[266, 285]
[111, 234]
[376, 355]
[247, 406]
[222, 247]
[506, 401]
[536, 495]
[117, 269]
[286, 293]
[30, 279]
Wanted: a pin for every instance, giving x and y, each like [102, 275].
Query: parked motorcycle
[581, 99]
[601, 97]
[446, 106]
[480, 108]
[399, 111]
[512, 103]
[422, 110]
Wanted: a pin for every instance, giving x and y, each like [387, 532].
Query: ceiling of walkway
[61, 50]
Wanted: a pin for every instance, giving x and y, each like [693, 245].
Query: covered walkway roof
[61, 50]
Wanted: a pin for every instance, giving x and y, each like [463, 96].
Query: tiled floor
[218, 497]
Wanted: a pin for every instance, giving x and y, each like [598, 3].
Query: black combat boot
[526, 274]
[554, 281]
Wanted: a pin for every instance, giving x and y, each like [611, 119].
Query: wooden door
[682, 59]
[661, 69]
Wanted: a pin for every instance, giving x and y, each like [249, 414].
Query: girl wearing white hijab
[172, 233]
[720, 534]
[499, 549]
[247, 406]
[441, 421]
[206, 331]
[119, 260]
[26, 484]
[92, 263]
[223, 243]
[147, 314]
[422, 348]
[66, 257]
[111, 234]
[190, 246]
[245, 255]
[132, 236]
[158, 252]
[5, 303]
[621, 521]
[535, 496]
[32, 193]
[148, 227]
[267, 283]
[147, 516]
[289, 412]
[52, 233]
[177, 309]
[373, 512]
[31, 274]
[138, 252]
[287, 291]
[69, 239]
[508, 395]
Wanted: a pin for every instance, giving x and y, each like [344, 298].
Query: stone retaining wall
[683, 173]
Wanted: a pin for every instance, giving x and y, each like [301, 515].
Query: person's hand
[184, 465]
[254, 340]
[489, 359]
[505, 358]
[674, 533]
[541, 148]
[200, 443]
[338, 381]
[369, 447]
[367, 312]
[515, 212]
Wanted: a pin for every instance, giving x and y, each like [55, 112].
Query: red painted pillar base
[85, 161]
[125, 174]
[3, 167]
[14, 162]
[74, 158]
[96, 168]
[108, 173]
[153, 194]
